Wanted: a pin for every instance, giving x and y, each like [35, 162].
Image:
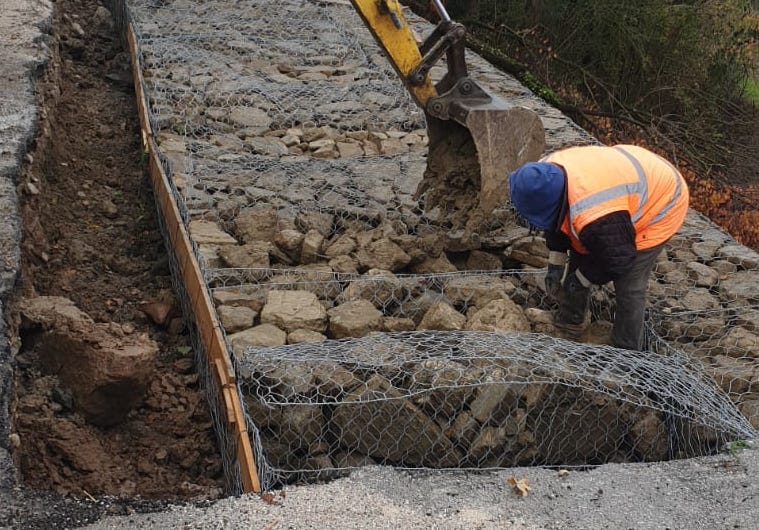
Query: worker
[611, 209]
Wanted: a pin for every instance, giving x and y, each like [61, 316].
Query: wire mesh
[362, 329]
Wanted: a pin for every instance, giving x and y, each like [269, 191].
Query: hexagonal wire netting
[362, 328]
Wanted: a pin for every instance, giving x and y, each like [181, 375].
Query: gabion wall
[363, 328]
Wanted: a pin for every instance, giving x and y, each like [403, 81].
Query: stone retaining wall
[295, 154]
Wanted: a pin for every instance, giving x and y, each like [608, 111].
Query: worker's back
[629, 178]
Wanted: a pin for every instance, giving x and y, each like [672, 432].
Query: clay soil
[92, 236]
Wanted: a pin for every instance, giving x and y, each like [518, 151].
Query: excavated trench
[108, 400]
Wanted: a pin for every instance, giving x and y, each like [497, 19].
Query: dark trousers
[631, 289]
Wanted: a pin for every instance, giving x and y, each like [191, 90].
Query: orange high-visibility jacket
[602, 180]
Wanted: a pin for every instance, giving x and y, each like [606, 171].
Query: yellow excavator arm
[475, 138]
[386, 22]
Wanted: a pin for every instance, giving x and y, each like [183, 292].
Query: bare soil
[91, 235]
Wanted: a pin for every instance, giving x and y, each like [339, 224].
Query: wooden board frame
[211, 335]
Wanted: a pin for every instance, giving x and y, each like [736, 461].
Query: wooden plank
[211, 336]
[138, 79]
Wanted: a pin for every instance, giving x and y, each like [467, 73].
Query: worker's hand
[555, 274]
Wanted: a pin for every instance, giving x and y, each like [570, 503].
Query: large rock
[354, 319]
[499, 315]
[106, 370]
[340, 246]
[381, 287]
[236, 319]
[263, 336]
[702, 275]
[530, 250]
[254, 300]
[374, 421]
[738, 342]
[735, 376]
[311, 248]
[305, 335]
[207, 232]
[383, 254]
[251, 118]
[479, 260]
[259, 224]
[293, 310]
[434, 265]
[740, 288]
[254, 255]
[740, 255]
[477, 291]
[443, 317]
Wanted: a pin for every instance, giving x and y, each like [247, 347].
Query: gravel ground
[714, 492]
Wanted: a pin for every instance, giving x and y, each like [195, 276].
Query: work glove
[555, 273]
[574, 300]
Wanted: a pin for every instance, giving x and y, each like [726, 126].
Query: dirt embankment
[108, 401]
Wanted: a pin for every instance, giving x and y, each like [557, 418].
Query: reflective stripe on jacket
[602, 180]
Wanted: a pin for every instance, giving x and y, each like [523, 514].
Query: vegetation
[678, 77]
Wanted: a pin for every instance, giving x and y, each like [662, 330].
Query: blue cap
[537, 191]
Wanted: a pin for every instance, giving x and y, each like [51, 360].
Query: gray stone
[491, 441]
[391, 324]
[706, 250]
[734, 376]
[541, 321]
[738, 342]
[321, 222]
[741, 287]
[289, 241]
[531, 250]
[381, 287]
[344, 264]
[349, 150]
[740, 255]
[250, 117]
[266, 146]
[702, 275]
[724, 268]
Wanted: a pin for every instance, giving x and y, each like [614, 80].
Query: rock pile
[355, 284]
[404, 399]
[297, 155]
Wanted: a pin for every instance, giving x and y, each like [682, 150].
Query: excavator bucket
[475, 138]
[475, 141]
